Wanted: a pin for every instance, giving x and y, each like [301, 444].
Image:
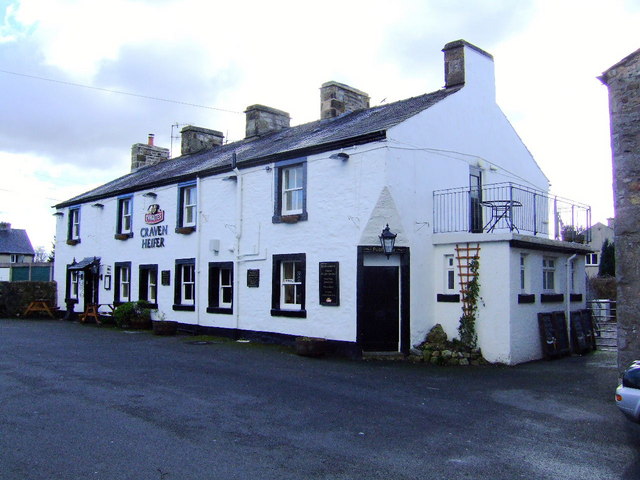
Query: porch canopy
[85, 263]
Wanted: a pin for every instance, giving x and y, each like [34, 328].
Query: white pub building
[278, 235]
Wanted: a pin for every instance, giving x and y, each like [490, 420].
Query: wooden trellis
[466, 254]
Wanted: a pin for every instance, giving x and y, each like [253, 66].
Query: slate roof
[16, 241]
[361, 126]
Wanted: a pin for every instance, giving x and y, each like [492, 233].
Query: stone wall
[623, 80]
[16, 296]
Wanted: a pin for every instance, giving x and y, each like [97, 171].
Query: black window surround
[143, 283]
[278, 217]
[551, 297]
[68, 298]
[526, 298]
[116, 282]
[180, 220]
[214, 287]
[276, 310]
[73, 238]
[177, 297]
[120, 235]
[448, 298]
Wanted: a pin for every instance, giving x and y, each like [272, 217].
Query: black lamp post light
[387, 240]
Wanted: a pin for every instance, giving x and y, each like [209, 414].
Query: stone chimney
[143, 154]
[5, 226]
[196, 139]
[262, 120]
[338, 98]
[465, 64]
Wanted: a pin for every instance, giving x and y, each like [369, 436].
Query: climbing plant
[470, 299]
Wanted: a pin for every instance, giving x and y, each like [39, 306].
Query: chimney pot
[143, 154]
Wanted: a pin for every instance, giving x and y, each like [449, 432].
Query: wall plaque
[166, 277]
[253, 278]
[329, 284]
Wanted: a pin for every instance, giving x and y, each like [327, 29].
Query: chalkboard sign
[253, 278]
[329, 284]
[166, 277]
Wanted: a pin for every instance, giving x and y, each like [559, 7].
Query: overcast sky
[59, 138]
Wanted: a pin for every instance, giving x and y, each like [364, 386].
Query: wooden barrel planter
[165, 327]
[311, 347]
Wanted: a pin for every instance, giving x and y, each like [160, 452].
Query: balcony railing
[508, 207]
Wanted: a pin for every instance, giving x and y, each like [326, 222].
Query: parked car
[628, 392]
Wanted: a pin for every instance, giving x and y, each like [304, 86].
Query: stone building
[623, 81]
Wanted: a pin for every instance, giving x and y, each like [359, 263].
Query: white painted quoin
[287, 224]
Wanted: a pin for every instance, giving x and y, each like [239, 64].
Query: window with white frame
[185, 284]
[15, 258]
[592, 260]
[122, 289]
[290, 195]
[74, 285]
[220, 287]
[292, 190]
[288, 288]
[549, 274]
[73, 231]
[523, 272]
[125, 207]
[449, 274]
[188, 206]
[148, 283]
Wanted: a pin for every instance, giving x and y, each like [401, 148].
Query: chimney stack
[197, 139]
[5, 226]
[147, 154]
[262, 120]
[465, 64]
[338, 98]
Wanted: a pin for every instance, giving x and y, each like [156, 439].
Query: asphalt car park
[80, 401]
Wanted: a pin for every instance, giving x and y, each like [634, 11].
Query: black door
[378, 315]
[91, 283]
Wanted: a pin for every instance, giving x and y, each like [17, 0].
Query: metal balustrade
[506, 207]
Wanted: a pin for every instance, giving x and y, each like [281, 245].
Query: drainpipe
[198, 252]
[567, 295]
[239, 221]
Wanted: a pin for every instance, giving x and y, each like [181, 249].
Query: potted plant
[133, 315]
[162, 326]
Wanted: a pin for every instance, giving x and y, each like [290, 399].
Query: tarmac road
[83, 402]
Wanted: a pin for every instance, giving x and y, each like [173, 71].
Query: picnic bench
[40, 306]
[93, 311]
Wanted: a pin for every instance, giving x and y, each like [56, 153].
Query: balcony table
[500, 209]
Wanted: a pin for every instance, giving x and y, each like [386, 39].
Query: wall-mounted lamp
[268, 168]
[387, 240]
[230, 177]
[150, 194]
[98, 205]
[340, 156]
[58, 214]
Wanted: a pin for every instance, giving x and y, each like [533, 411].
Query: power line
[120, 92]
